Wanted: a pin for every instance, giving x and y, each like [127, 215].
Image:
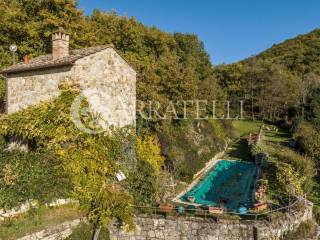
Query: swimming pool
[230, 183]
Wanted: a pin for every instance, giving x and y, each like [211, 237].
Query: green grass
[272, 133]
[36, 220]
[245, 127]
[276, 135]
[238, 151]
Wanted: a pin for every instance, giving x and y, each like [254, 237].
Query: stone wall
[176, 228]
[14, 212]
[59, 232]
[31, 88]
[106, 80]
[109, 84]
[273, 230]
[183, 228]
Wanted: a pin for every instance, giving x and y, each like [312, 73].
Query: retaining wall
[191, 228]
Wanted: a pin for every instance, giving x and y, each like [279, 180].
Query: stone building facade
[106, 80]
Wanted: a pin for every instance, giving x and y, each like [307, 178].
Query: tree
[143, 182]
[29, 24]
[148, 150]
[309, 140]
[280, 92]
[313, 102]
[93, 168]
[294, 60]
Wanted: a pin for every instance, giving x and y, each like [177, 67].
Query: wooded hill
[300, 54]
[280, 79]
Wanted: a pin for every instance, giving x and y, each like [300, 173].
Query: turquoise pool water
[229, 183]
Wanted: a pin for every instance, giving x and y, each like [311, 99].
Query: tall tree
[29, 24]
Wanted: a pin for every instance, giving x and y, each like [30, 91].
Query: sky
[230, 29]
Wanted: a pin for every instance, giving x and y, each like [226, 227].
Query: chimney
[60, 44]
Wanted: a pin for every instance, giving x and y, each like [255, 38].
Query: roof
[46, 61]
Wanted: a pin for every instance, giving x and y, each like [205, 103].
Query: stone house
[106, 80]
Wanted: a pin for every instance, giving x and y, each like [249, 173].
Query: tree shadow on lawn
[277, 137]
[240, 150]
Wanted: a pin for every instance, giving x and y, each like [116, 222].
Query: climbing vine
[31, 176]
[91, 161]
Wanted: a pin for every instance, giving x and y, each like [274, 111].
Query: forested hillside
[277, 82]
[300, 55]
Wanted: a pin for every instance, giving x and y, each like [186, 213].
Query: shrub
[262, 183]
[2, 142]
[296, 124]
[142, 184]
[308, 138]
[148, 150]
[188, 145]
[143, 178]
[26, 176]
[302, 166]
[289, 180]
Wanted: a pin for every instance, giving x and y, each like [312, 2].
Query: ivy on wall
[49, 123]
[91, 161]
[27, 176]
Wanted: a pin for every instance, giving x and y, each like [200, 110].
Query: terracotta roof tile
[46, 61]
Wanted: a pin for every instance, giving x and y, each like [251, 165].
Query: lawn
[239, 149]
[276, 135]
[36, 220]
[245, 127]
